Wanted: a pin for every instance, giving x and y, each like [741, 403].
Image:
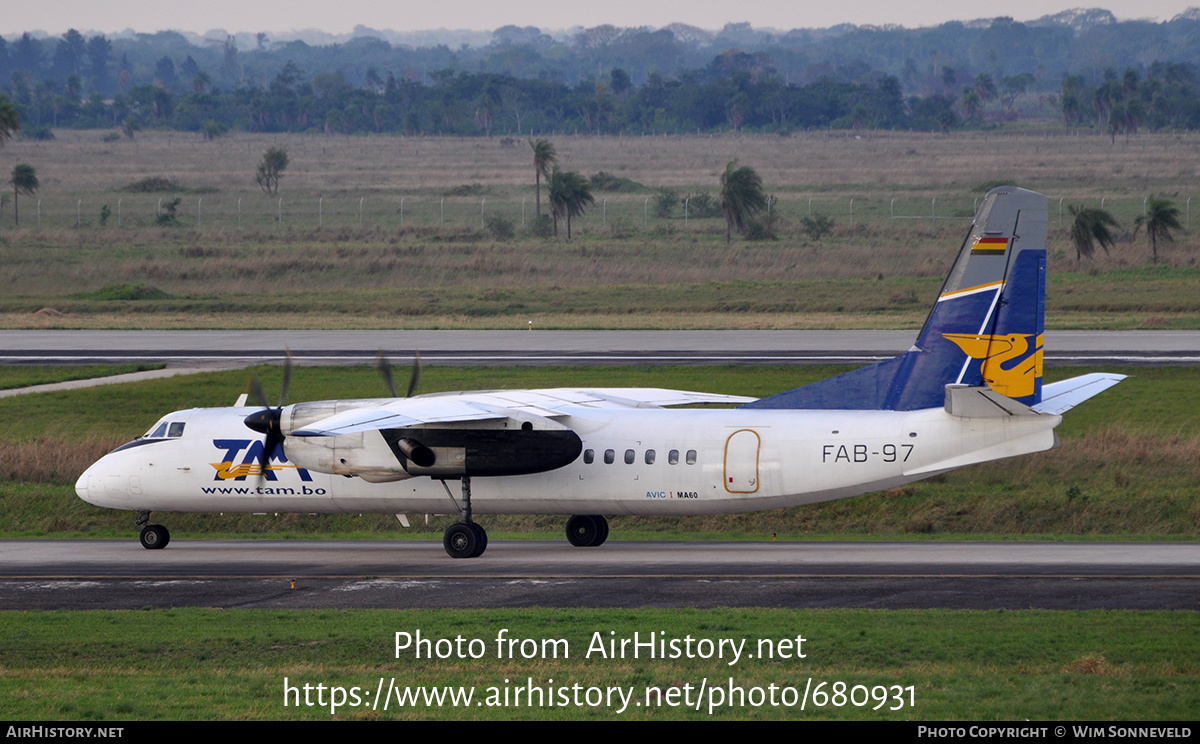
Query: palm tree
[9, 121]
[1089, 228]
[24, 181]
[570, 194]
[1161, 217]
[544, 160]
[741, 196]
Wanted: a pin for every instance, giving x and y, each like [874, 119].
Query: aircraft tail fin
[985, 328]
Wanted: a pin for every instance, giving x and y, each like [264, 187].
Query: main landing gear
[464, 539]
[587, 530]
[154, 536]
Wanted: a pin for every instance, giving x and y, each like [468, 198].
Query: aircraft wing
[448, 408]
[1060, 397]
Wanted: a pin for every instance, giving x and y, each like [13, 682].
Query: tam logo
[252, 462]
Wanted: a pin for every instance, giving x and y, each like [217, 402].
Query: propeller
[267, 421]
[385, 369]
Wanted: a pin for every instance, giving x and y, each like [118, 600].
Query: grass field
[189, 664]
[365, 235]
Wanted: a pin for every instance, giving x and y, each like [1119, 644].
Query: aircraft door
[741, 461]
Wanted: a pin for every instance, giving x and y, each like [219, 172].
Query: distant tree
[544, 160]
[1135, 116]
[99, 50]
[10, 122]
[1116, 121]
[201, 81]
[131, 126]
[971, 103]
[210, 129]
[742, 195]
[169, 214]
[24, 181]
[570, 195]
[949, 77]
[1091, 226]
[270, 169]
[1161, 217]
[619, 82]
[486, 105]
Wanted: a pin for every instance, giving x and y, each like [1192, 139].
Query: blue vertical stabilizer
[985, 328]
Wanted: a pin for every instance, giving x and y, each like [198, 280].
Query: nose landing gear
[153, 536]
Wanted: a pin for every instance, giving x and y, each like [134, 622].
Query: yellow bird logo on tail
[1010, 367]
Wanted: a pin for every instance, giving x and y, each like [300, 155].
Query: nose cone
[81, 485]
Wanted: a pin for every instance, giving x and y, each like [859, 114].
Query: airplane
[968, 391]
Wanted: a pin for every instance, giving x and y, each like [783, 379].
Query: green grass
[19, 377]
[196, 664]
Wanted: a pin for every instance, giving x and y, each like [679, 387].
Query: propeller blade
[385, 369]
[256, 393]
[416, 376]
[267, 421]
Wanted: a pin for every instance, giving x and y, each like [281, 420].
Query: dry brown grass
[831, 161]
[1094, 664]
[1116, 447]
[52, 459]
[616, 245]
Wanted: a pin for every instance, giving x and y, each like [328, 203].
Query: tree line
[606, 79]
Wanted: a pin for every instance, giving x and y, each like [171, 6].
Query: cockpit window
[159, 432]
[176, 429]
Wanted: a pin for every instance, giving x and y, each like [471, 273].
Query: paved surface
[552, 347]
[374, 573]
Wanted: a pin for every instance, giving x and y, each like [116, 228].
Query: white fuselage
[725, 461]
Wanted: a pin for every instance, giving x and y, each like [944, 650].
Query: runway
[497, 347]
[119, 574]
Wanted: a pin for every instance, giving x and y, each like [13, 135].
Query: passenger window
[161, 431]
[691, 457]
[673, 457]
[630, 456]
[649, 457]
[609, 457]
[176, 429]
[589, 456]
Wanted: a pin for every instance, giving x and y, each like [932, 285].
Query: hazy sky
[56, 16]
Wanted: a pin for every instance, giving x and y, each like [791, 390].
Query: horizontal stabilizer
[966, 401]
[1060, 397]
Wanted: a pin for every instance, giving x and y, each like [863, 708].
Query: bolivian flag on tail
[990, 246]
